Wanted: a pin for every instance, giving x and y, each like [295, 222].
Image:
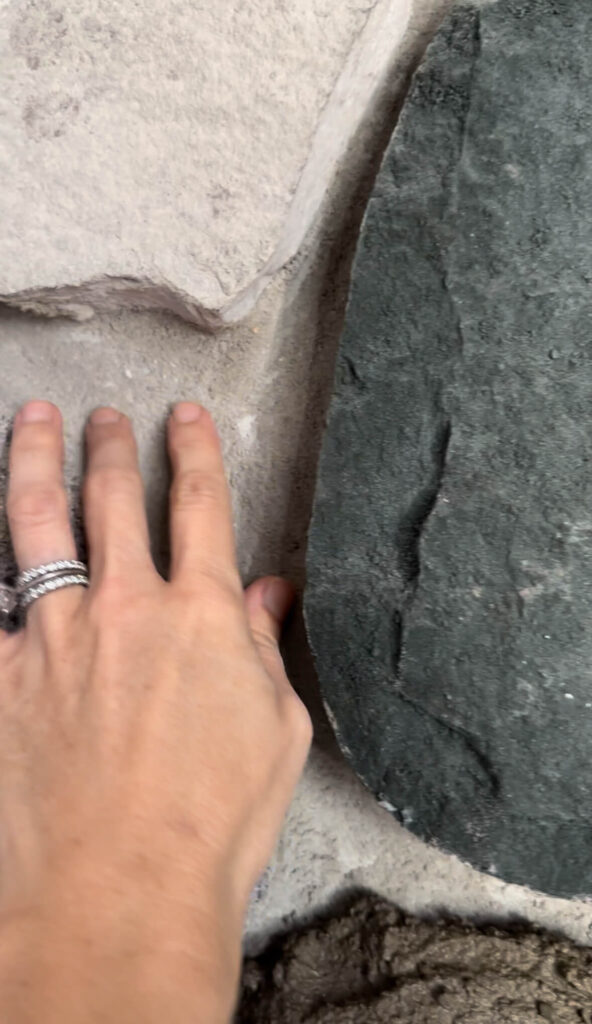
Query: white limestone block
[174, 153]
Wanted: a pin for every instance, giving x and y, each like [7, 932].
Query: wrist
[91, 948]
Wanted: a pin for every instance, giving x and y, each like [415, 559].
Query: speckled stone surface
[450, 564]
[174, 155]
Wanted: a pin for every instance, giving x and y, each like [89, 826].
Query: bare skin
[150, 741]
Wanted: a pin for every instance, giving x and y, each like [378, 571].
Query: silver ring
[9, 600]
[63, 565]
[31, 584]
[49, 585]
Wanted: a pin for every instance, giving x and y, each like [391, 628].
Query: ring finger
[37, 504]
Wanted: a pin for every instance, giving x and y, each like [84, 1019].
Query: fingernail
[187, 412]
[36, 412]
[104, 415]
[278, 598]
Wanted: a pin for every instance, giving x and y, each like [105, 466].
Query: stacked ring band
[32, 584]
[63, 565]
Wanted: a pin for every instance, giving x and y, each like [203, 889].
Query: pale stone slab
[174, 155]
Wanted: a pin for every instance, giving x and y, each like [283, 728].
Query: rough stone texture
[371, 964]
[450, 560]
[174, 155]
[268, 383]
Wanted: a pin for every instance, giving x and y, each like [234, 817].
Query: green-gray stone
[449, 599]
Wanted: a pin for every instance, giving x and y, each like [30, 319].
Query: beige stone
[174, 153]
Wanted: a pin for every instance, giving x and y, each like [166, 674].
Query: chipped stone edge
[365, 69]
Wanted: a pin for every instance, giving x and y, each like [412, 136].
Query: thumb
[268, 602]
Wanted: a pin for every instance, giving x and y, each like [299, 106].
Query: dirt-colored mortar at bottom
[372, 964]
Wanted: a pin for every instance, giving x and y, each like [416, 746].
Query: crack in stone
[412, 524]
[476, 54]
[410, 531]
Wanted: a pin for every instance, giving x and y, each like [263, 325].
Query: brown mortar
[372, 964]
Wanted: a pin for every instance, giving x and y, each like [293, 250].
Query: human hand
[150, 741]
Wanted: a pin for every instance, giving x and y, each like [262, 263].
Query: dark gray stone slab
[449, 598]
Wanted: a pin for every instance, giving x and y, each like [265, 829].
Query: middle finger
[115, 514]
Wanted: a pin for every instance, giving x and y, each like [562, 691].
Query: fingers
[202, 536]
[37, 504]
[115, 515]
[268, 602]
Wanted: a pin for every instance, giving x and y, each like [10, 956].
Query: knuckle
[37, 505]
[112, 601]
[194, 488]
[214, 598]
[108, 482]
[298, 720]
[219, 584]
[113, 584]
[265, 641]
[106, 602]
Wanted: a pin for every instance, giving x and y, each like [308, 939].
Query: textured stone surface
[450, 562]
[268, 381]
[370, 964]
[174, 155]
